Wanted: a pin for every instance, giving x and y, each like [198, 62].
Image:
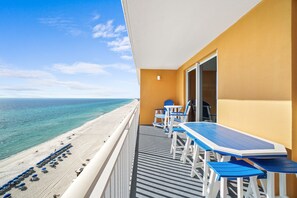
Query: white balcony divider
[109, 172]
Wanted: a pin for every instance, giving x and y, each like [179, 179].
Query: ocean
[25, 123]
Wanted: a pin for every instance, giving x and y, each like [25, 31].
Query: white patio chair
[160, 113]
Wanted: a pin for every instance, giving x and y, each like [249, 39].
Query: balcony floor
[156, 174]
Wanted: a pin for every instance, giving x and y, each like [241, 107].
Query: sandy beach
[86, 141]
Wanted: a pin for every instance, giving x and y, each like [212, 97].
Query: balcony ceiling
[164, 34]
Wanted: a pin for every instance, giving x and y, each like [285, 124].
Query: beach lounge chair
[6, 187]
[44, 170]
[1, 190]
[16, 180]
[52, 164]
[21, 186]
[34, 177]
[160, 114]
[8, 195]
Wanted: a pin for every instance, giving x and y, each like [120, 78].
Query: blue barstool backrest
[187, 107]
[168, 102]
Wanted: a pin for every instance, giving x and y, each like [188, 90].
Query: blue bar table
[231, 142]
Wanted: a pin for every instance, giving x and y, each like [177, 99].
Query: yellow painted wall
[254, 72]
[153, 93]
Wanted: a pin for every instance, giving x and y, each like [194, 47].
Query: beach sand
[86, 141]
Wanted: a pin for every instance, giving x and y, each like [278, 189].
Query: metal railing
[109, 173]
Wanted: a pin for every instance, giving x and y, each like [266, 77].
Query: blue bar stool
[280, 165]
[231, 170]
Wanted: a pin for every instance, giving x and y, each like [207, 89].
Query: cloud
[29, 74]
[68, 84]
[91, 68]
[126, 57]
[96, 17]
[38, 78]
[120, 44]
[120, 28]
[107, 30]
[62, 24]
[123, 67]
[80, 67]
[19, 89]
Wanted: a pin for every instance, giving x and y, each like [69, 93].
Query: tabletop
[233, 142]
[173, 106]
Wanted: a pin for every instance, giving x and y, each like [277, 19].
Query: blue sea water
[25, 123]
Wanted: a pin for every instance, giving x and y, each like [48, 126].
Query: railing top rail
[85, 183]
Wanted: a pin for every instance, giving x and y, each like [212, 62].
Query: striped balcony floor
[156, 174]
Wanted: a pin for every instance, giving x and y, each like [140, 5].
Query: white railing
[109, 173]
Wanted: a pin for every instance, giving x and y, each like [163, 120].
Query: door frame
[187, 81]
[199, 85]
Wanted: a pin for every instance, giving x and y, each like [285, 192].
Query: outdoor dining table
[230, 142]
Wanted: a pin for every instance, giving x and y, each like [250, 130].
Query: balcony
[136, 162]
[156, 174]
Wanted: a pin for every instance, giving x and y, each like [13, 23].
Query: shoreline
[86, 141]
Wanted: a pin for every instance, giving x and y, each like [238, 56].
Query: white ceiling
[164, 34]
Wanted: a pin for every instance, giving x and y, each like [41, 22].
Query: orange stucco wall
[153, 93]
[254, 72]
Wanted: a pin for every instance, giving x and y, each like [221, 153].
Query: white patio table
[169, 109]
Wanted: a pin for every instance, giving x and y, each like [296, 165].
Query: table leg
[205, 171]
[223, 192]
[174, 144]
[165, 119]
[270, 185]
[170, 126]
[240, 187]
[282, 185]
[254, 185]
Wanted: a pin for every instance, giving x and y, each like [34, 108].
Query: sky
[65, 49]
